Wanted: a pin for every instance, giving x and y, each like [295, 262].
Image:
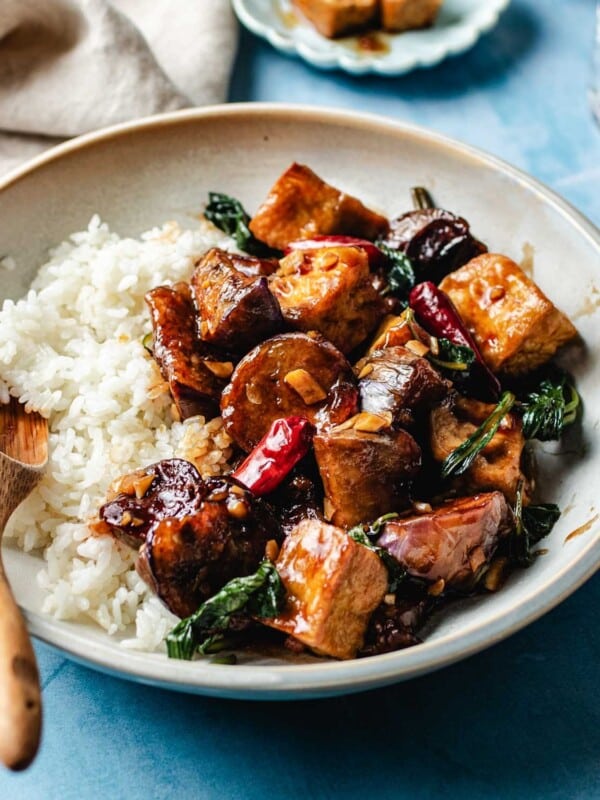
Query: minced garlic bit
[142, 484]
[303, 383]
[417, 347]
[437, 588]
[371, 423]
[222, 369]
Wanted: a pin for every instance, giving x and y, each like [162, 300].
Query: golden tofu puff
[498, 465]
[301, 205]
[515, 325]
[406, 15]
[333, 585]
[328, 290]
[338, 17]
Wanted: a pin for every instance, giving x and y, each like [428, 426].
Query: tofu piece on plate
[337, 17]
[515, 325]
[498, 465]
[406, 15]
[330, 291]
[301, 205]
[333, 583]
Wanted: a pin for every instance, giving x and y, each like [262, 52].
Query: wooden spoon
[23, 459]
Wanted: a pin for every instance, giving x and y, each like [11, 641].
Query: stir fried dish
[381, 380]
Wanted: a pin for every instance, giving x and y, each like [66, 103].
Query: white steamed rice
[72, 349]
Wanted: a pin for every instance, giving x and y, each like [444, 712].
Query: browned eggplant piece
[498, 465]
[236, 312]
[436, 242]
[192, 372]
[301, 205]
[188, 559]
[365, 474]
[297, 498]
[329, 290]
[293, 374]
[396, 381]
[395, 626]
[453, 543]
[333, 585]
[141, 499]
[253, 267]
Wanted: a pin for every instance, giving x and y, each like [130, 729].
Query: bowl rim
[327, 677]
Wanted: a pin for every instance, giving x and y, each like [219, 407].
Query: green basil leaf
[549, 409]
[400, 273]
[459, 460]
[229, 215]
[363, 535]
[261, 594]
[532, 523]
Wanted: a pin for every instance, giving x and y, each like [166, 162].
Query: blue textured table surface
[521, 720]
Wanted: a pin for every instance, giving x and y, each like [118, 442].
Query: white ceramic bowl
[459, 25]
[143, 173]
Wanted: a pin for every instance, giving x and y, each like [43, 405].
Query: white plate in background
[459, 25]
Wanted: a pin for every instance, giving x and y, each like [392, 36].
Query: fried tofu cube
[338, 17]
[301, 205]
[498, 465]
[333, 586]
[515, 325]
[406, 15]
[328, 290]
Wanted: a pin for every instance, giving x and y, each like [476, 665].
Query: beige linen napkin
[71, 66]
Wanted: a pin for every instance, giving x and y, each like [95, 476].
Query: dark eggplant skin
[453, 543]
[188, 559]
[396, 381]
[396, 626]
[299, 497]
[253, 267]
[180, 354]
[236, 311]
[175, 490]
[365, 474]
[436, 242]
[258, 394]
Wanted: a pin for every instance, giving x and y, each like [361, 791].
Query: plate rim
[377, 64]
[328, 677]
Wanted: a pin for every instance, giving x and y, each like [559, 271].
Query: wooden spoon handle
[20, 698]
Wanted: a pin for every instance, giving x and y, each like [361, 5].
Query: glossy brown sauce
[582, 528]
[287, 16]
[372, 42]
[590, 304]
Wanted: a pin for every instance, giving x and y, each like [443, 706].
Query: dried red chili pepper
[280, 449]
[374, 254]
[436, 312]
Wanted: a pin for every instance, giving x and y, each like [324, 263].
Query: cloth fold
[71, 66]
